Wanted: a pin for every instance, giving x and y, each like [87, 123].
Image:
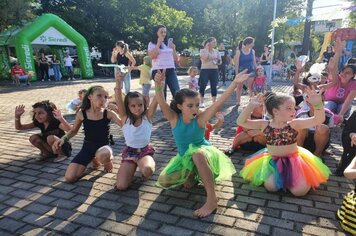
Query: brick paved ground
[35, 200]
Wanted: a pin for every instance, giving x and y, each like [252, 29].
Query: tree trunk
[307, 26]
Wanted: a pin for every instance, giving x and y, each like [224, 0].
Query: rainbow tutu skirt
[179, 168]
[287, 169]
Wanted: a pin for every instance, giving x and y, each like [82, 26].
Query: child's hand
[256, 101]
[241, 77]
[57, 114]
[115, 51]
[160, 77]
[314, 97]
[58, 144]
[299, 66]
[112, 106]
[19, 110]
[220, 116]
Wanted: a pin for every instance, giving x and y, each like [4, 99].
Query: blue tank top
[96, 131]
[246, 61]
[185, 134]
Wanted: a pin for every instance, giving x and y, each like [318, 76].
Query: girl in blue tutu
[197, 160]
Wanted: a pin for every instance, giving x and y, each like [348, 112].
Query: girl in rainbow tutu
[284, 165]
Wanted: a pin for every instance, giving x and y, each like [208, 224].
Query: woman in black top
[122, 56]
[329, 53]
[43, 63]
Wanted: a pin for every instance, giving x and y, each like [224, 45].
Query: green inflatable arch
[49, 29]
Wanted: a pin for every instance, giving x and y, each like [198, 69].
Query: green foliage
[15, 12]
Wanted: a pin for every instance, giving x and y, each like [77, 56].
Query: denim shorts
[146, 89]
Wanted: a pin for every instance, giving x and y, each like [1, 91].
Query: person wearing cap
[17, 74]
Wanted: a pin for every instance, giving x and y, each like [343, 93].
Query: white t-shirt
[137, 137]
[164, 60]
[68, 61]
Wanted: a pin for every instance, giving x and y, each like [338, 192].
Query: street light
[272, 44]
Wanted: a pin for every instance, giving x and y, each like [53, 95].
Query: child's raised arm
[243, 119]
[19, 110]
[72, 132]
[315, 99]
[64, 125]
[119, 96]
[220, 122]
[210, 112]
[170, 115]
[115, 118]
[300, 69]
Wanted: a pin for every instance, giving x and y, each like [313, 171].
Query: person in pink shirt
[259, 82]
[342, 88]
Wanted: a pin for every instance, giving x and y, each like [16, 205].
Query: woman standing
[245, 59]
[164, 57]
[43, 64]
[56, 68]
[265, 62]
[210, 60]
[121, 56]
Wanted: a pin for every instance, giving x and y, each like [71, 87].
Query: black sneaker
[66, 149]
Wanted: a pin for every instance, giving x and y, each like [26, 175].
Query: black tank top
[52, 129]
[96, 131]
[122, 59]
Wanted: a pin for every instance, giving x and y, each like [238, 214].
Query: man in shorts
[18, 74]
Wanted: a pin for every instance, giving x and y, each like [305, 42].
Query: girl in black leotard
[52, 124]
[95, 119]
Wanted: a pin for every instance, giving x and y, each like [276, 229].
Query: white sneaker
[42, 80]
[69, 79]
[202, 105]
[73, 78]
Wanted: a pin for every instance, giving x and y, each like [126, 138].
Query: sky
[329, 8]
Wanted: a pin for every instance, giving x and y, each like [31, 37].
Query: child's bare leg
[124, 175]
[36, 141]
[50, 140]
[269, 184]
[95, 164]
[104, 156]
[207, 178]
[190, 181]
[249, 86]
[168, 180]
[261, 139]
[241, 138]
[74, 172]
[147, 166]
[321, 138]
[301, 189]
[302, 135]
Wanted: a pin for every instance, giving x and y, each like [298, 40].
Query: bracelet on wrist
[65, 138]
[318, 106]
[158, 89]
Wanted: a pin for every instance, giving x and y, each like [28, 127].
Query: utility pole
[307, 26]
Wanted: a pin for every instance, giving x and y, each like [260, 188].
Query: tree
[15, 12]
[307, 26]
